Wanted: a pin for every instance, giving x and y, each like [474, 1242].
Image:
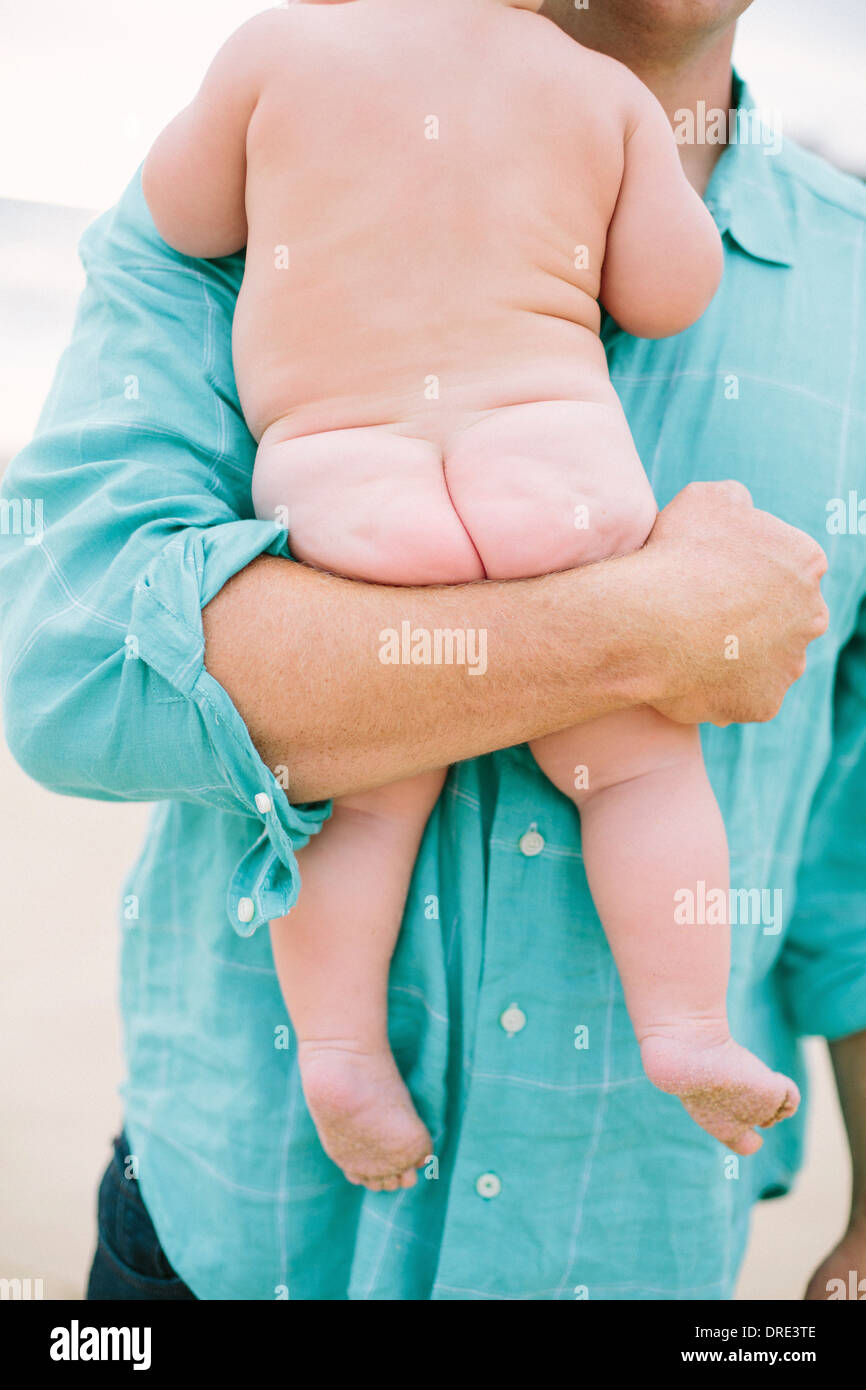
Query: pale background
[84, 88]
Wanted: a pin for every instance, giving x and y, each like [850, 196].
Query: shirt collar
[743, 193]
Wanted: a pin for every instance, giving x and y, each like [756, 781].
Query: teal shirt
[559, 1172]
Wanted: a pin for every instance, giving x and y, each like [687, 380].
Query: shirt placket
[485, 1175]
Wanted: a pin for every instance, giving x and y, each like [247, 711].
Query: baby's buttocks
[548, 486]
[365, 503]
[524, 490]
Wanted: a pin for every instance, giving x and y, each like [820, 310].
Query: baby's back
[429, 185]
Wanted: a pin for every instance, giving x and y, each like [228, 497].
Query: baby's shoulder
[615, 83]
[626, 96]
[594, 82]
[256, 35]
[271, 40]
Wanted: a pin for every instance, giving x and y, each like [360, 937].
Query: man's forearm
[298, 651]
[849, 1064]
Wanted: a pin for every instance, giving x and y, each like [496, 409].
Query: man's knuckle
[735, 490]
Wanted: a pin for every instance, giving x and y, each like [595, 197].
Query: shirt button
[531, 843]
[246, 910]
[488, 1185]
[513, 1019]
[263, 803]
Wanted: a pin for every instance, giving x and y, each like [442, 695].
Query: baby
[435, 196]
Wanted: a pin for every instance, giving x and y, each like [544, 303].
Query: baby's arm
[663, 259]
[194, 176]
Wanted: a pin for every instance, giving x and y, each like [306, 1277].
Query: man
[557, 1171]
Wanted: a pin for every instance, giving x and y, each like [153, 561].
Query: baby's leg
[332, 954]
[651, 826]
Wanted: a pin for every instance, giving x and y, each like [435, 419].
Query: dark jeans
[129, 1262]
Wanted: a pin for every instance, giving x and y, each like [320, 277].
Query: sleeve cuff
[166, 630]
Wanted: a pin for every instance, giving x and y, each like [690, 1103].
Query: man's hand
[846, 1260]
[743, 599]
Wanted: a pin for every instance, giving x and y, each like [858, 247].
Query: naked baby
[445, 191]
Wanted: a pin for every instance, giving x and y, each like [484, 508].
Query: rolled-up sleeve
[823, 963]
[122, 519]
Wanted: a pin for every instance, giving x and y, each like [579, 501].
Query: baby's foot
[726, 1089]
[364, 1114]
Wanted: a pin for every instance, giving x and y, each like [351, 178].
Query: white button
[488, 1185]
[531, 843]
[246, 910]
[263, 803]
[513, 1019]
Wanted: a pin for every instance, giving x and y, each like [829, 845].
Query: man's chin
[659, 19]
[681, 15]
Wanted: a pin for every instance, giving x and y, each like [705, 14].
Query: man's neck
[690, 69]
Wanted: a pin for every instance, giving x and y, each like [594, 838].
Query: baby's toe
[784, 1109]
[745, 1143]
[790, 1104]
